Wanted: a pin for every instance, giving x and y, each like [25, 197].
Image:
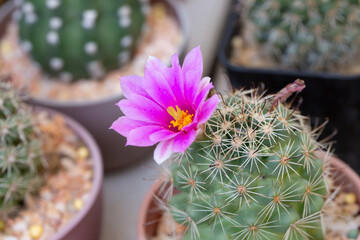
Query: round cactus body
[315, 35]
[20, 152]
[252, 175]
[80, 39]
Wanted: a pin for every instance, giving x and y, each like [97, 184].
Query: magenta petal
[163, 151]
[124, 125]
[146, 120]
[175, 59]
[140, 136]
[155, 64]
[176, 78]
[183, 141]
[133, 84]
[191, 126]
[163, 135]
[192, 71]
[145, 110]
[207, 109]
[193, 61]
[204, 89]
[192, 80]
[157, 86]
[205, 82]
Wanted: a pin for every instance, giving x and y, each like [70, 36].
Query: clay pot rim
[145, 206]
[177, 10]
[336, 163]
[97, 166]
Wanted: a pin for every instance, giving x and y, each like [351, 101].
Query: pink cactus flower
[166, 106]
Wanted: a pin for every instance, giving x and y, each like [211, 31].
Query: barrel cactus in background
[20, 152]
[80, 39]
[253, 173]
[315, 35]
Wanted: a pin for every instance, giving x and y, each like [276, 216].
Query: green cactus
[76, 39]
[20, 152]
[315, 35]
[251, 175]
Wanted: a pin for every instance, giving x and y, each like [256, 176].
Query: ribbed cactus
[315, 35]
[73, 39]
[252, 174]
[20, 152]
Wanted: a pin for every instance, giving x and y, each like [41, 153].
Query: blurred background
[67, 55]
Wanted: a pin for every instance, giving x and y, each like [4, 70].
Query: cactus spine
[75, 39]
[252, 175]
[315, 35]
[20, 152]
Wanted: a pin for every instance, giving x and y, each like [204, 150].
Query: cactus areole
[80, 39]
[251, 172]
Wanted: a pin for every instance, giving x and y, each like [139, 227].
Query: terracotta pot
[97, 116]
[148, 214]
[344, 176]
[86, 224]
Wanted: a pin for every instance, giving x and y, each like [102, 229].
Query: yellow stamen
[181, 118]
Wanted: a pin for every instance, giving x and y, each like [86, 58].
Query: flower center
[181, 118]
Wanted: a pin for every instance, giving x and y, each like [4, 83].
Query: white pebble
[56, 63]
[61, 207]
[89, 18]
[10, 238]
[67, 163]
[55, 23]
[46, 195]
[19, 227]
[90, 48]
[52, 37]
[52, 4]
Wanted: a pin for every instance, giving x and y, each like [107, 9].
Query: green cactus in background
[20, 152]
[315, 35]
[75, 39]
[252, 174]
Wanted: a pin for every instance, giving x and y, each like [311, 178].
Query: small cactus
[252, 174]
[77, 39]
[20, 152]
[315, 35]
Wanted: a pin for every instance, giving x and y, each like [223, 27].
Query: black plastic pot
[326, 95]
